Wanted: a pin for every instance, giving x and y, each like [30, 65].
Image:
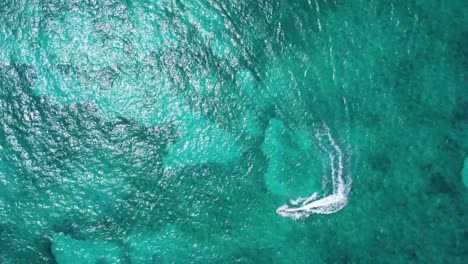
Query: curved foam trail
[311, 198]
[297, 200]
[304, 200]
[341, 186]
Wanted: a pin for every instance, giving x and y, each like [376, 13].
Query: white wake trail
[341, 185]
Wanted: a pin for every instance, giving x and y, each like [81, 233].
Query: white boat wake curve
[303, 207]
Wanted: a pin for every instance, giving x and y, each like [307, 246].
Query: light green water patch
[207, 19]
[250, 124]
[20, 45]
[212, 28]
[215, 96]
[67, 250]
[464, 173]
[205, 84]
[246, 81]
[295, 165]
[80, 54]
[148, 100]
[250, 91]
[200, 141]
[80, 38]
[169, 245]
[301, 90]
[223, 47]
[152, 28]
[3, 212]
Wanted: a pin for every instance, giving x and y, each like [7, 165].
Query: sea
[233, 131]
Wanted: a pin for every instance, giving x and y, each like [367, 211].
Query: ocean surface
[171, 131]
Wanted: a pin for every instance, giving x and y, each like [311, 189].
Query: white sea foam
[341, 184]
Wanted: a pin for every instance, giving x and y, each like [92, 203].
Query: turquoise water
[171, 131]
